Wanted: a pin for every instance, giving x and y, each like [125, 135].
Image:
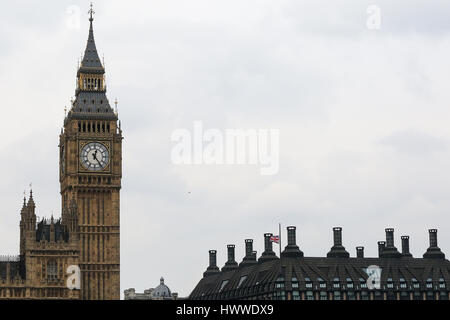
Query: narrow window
[52, 270]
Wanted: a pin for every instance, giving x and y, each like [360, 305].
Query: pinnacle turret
[31, 203]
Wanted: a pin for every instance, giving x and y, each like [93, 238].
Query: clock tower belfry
[90, 173]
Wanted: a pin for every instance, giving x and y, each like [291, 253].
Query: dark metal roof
[44, 228]
[91, 62]
[399, 271]
[92, 105]
[262, 277]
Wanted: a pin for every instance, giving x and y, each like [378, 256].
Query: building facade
[161, 292]
[47, 249]
[393, 275]
[88, 234]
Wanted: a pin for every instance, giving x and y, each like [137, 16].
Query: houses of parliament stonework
[87, 236]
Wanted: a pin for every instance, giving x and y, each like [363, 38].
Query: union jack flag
[275, 239]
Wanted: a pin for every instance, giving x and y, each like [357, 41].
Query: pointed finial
[91, 13]
[65, 111]
[30, 200]
[117, 110]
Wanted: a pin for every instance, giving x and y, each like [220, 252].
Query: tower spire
[90, 94]
[91, 59]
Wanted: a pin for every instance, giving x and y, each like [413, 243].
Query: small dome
[161, 291]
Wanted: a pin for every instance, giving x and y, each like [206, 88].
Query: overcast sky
[363, 118]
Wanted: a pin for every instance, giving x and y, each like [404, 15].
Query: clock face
[94, 156]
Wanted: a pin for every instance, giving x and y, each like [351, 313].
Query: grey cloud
[415, 142]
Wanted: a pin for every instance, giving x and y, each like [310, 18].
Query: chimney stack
[389, 238]
[292, 249]
[337, 236]
[231, 263]
[405, 247]
[250, 257]
[337, 250]
[390, 251]
[360, 252]
[212, 268]
[381, 246]
[433, 238]
[268, 253]
[248, 247]
[433, 252]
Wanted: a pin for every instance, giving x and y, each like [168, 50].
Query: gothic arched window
[52, 270]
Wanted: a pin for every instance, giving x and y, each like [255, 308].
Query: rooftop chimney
[405, 247]
[292, 249]
[212, 268]
[390, 251]
[433, 252]
[389, 237]
[268, 253]
[381, 246]
[231, 264]
[360, 252]
[337, 250]
[249, 258]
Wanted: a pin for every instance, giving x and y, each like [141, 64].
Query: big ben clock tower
[90, 173]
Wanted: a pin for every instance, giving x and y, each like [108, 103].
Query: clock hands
[94, 155]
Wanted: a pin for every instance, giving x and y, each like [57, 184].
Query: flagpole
[279, 232]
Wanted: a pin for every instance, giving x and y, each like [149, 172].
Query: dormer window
[362, 283]
[336, 282]
[294, 282]
[224, 283]
[322, 283]
[349, 283]
[390, 284]
[241, 280]
[441, 283]
[402, 283]
[308, 282]
[279, 283]
[429, 283]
